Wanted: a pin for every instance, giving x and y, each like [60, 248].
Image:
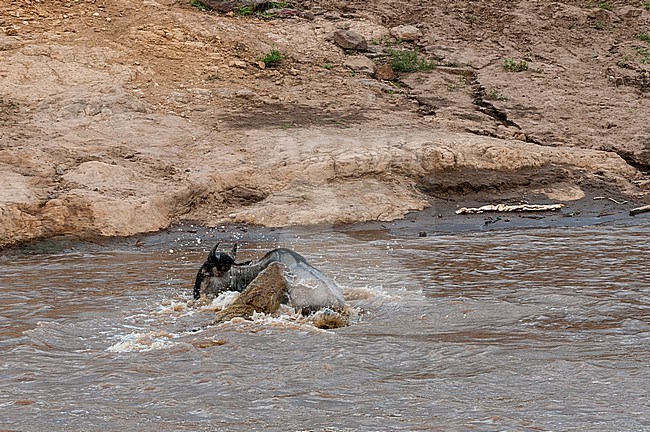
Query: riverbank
[112, 127]
[439, 219]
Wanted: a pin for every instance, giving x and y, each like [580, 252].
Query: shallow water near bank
[545, 329]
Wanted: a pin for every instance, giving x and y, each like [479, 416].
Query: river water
[530, 329]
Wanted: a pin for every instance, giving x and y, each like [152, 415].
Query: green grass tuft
[245, 11]
[624, 62]
[410, 61]
[272, 58]
[197, 4]
[511, 65]
[644, 37]
[495, 94]
[267, 10]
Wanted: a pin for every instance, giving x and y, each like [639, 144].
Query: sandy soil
[121, 117]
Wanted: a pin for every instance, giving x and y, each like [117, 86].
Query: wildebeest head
[216, 265]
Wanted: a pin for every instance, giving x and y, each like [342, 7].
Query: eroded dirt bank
[121, 117]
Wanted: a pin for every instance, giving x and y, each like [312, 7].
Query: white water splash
[288, 318]
[140, 342]
[224, 300]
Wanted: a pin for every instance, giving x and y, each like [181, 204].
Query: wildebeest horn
[197, 284]
[214, 249]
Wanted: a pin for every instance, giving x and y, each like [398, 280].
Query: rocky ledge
[112, 127]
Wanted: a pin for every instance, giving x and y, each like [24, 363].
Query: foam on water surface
[139, 342]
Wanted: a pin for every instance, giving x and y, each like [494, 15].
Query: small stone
[361, 64]
[629, 12]
[422, 234]
[332, 16]
[307, 15]
[238, 63]
[406, 33]
[245, 94]
[177, 97]
[347, 39]
[385, 73]
[604, 16]
[283, 12]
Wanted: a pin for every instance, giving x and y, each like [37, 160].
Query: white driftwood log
[611, 199]
[636, 211]
[509, 208]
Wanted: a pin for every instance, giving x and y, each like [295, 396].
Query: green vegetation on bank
[495, 94]
[245, 11]
[264, 10]
[410, 61]
[197, 4]
[511, 65]
[272, 58]
[261, 11]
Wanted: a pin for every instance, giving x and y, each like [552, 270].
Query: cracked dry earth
[120, 117]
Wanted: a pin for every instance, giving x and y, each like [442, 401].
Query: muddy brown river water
[529, 329]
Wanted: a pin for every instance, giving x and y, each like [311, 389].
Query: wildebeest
[308, 289]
